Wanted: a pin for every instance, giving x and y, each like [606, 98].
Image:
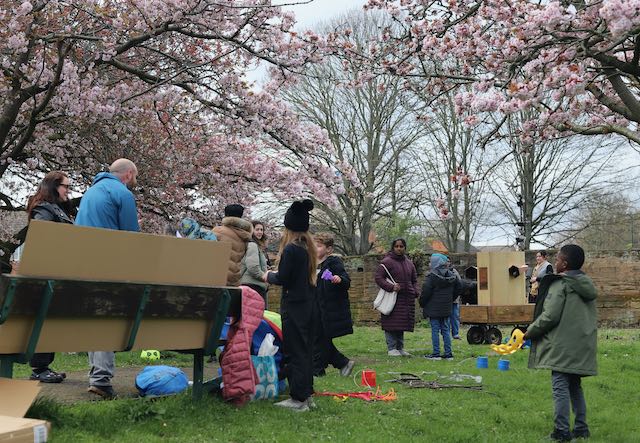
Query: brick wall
[615, 274]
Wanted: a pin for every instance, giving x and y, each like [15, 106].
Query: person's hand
[532, 279]
[265, 277]
[336, 280]
[396, 287]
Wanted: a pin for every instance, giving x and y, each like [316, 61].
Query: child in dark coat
[334, 308]
[297, 275]
[439, 290]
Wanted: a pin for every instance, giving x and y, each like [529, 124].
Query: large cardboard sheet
[16, 397]
[62, 251]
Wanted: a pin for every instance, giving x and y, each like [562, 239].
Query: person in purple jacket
[402, 317]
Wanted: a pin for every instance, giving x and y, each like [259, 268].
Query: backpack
[154, 381]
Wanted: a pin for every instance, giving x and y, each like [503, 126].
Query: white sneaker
[295, 405]
[404, 353]
[394, 353]
[311, 403]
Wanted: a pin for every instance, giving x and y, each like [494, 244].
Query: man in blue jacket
[109, 204]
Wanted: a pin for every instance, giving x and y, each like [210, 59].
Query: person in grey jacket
[252, 269]
[542, 268]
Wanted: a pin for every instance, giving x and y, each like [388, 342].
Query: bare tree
[545, 181]
[372, 126]
[450, 145]
[606, 221]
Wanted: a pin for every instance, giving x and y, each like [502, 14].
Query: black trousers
[297, 347]
[41, 360]
[325, 352]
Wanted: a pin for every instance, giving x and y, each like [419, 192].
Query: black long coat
[333, 299]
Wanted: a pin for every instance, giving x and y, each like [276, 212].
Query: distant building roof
[437, 245]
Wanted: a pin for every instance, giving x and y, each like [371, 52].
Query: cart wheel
[475, 335]
[493, 336]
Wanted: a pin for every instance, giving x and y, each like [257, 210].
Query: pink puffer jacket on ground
[238, 374]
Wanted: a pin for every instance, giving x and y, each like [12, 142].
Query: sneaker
[394, 353]
[447, 357]
[581, 434]
[433, 357]
[347, 369]
[456, 337]
[47, 376]
[311, 403]
[405, 353]
[557, 435]
[106, 392]
[295, 405]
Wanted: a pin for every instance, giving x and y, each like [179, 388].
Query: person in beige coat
[237, 231]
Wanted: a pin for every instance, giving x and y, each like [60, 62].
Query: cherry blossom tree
[372, 125]
[576, 62]
[86, 81]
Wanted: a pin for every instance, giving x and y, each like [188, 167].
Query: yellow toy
[514, 343]
[150, 354]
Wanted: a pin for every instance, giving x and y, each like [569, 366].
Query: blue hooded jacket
[109, 204]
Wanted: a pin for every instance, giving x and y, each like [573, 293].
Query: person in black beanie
[297, 275]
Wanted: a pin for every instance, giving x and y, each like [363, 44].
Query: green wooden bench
[62, 315]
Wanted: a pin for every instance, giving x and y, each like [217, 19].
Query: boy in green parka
[564, 339]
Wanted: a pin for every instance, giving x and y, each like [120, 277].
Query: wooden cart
[486, 319]
[501, 300]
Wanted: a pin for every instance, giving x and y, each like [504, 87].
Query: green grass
[515, 406]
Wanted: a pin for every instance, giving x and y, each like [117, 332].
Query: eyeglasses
[67, 185]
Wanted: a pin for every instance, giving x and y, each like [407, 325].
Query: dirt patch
[74, 388]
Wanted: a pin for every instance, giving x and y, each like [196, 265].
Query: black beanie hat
[297, 217]
[233, 211]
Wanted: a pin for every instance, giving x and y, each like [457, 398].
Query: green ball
[150, 355]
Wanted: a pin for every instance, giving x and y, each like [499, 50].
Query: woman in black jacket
[439, 290]
[297, 276]
[332, 293]
[48, 204]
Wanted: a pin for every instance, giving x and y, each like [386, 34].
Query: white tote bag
[385, 300]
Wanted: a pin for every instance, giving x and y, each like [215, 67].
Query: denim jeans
[567, 393]
[440, 325]
[455, 320]
[395, 340]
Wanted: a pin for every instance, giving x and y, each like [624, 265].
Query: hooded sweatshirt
[564, 332]
[439, 289]
[109, 204]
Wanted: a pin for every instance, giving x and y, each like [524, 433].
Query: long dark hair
[47, 191]
[304, 240]
[262, 241]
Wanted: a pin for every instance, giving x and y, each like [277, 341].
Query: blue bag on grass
[154, 381]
